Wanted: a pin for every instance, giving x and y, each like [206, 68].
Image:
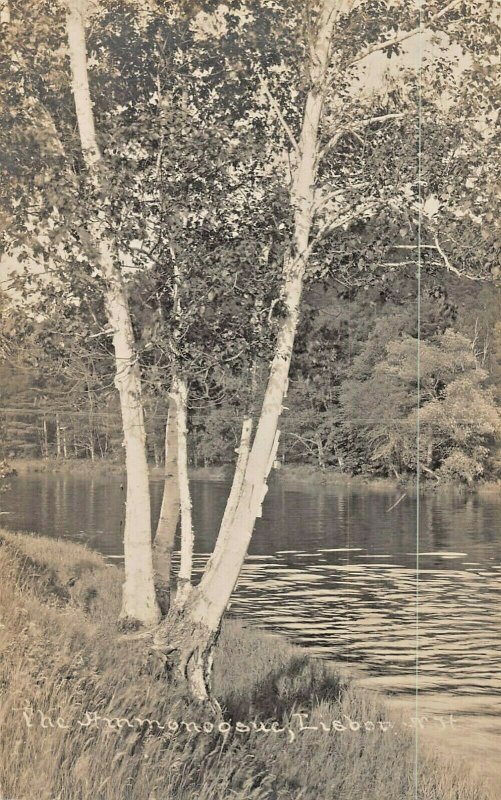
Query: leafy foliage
[458, 417]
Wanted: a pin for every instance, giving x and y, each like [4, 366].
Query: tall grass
[62, 655]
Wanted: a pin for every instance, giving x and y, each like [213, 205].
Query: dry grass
[61, 654]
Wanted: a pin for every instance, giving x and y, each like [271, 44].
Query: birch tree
[139, 600]
[185, 639]
[191, 654]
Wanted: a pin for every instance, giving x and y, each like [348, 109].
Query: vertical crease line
[418, 393]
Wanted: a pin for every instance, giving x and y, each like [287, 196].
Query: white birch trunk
[169, 513]
[186, 639]
[218, 583]
[235, 493]
[180, 392]
[238, 477]
[139, 602]
[320, 451]
[4, 12]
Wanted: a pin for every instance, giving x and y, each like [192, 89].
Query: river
[335, 569]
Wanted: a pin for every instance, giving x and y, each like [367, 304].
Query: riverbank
[80, 700]
[287, 475]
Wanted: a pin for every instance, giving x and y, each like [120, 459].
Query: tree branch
[451, 268]
[403, 36]
[339, 222]
[285, 125]
[356, 127]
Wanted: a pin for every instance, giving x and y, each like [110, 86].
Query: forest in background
[351, 405]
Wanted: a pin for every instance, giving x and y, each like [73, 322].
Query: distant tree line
[352, 399]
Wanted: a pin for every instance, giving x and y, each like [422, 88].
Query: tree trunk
[320, 451]
[45, 439]
[243, 452]
[169, 511]
[183, 588]
[429, 452]
[139, 602]
[58, 437]
[186, 646]
[176, 500]
[186, 637]
[4, 12]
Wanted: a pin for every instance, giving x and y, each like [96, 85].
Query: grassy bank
[67, 674]
[81, 466]
[102, 466]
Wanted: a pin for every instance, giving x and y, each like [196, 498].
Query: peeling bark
[186, 649]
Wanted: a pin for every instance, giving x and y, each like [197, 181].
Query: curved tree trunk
[139, 602]
[186, 637]
[163, 546]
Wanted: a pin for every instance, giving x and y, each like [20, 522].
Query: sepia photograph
[250, 400]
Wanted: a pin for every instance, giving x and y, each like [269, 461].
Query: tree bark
[186, 637]
[176, 500]
[187, 646]
[169, 512]
[139, 602]
[180, 395]
[243, 452]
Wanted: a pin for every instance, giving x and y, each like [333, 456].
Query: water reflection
[336, 571]
[331, 568]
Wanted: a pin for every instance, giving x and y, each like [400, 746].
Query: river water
[335, 569]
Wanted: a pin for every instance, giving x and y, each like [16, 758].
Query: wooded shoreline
[287, 475]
